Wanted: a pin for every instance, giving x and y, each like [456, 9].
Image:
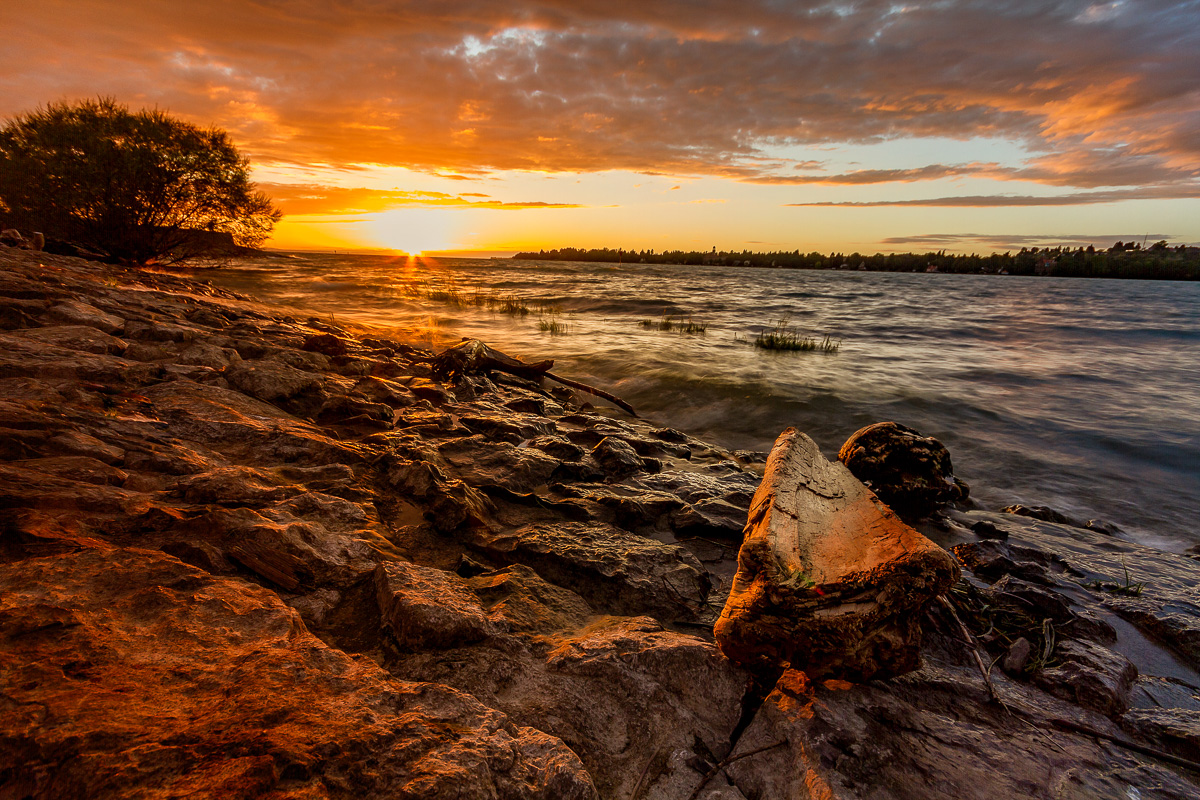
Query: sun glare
[413, 230]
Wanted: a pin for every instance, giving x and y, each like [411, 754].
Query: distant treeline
[1158, 261]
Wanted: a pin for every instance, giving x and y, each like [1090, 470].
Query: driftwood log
[471, 356]
[829, 579]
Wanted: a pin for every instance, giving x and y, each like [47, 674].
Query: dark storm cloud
[1101, 94]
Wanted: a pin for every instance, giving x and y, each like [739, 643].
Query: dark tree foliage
[1158, 262]
[141, 186]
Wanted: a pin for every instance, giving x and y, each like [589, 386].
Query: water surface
[1083, 395]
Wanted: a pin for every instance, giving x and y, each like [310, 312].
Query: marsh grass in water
[786, 338]
[511, 304]
[551, 324]
[690, 325]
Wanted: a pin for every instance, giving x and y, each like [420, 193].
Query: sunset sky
[497, 126]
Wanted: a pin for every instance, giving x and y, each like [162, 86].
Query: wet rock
[994, 558]
[932, 735]
[710, 517]
[78, 443]
[427, 608]
[630, 508]
[734, 487]
[234, 485]
[829, 580]
[451, 503]
[204, 354]
[558, 446]
[1090, 676]
[480, 462]
[135, 673]
[78, 468]
[518, 602]
[272, 382]
[390, 393]
[1043, 513]
[607, 566]
[617, 457]
[75, 312]
[1174, 729]
[76, 337]
[986, 530]
[909, 472]
[162, 331]
[326, 344]
[512, 428]
[1158, 592]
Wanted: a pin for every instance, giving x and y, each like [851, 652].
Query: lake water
[1083, 395]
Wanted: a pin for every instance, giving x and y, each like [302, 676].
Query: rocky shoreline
[246, 555]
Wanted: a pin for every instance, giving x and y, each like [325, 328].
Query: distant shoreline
[1157, 262]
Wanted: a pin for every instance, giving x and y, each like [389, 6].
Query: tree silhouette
[142, 186]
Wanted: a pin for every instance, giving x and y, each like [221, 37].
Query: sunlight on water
[1082, 395]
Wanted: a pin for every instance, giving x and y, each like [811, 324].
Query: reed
[785, 338]
[669, 323]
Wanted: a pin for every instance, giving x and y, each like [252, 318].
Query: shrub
[142, 186]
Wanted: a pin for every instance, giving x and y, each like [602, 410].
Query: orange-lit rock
[829, 580]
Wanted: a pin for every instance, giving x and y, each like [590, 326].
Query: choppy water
[1083, 395]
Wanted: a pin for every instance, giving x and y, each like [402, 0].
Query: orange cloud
[461, 88]
[313, 199]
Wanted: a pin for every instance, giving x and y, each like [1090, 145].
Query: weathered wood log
[829, 579]
[472, 355]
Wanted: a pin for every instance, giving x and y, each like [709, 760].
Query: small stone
[1017, 657]
[986, 530]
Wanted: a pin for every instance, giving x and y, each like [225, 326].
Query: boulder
[1090, 676]
[909, 472]
[829, 579]
[428, 608]
[617, 457]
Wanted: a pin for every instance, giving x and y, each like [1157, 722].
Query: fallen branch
[472, 355]
[1179, 761]
[583, 387]
[970, 641]
[725, 762]
[637, 787]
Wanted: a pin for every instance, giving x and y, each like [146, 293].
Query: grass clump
[1129, 588]
[552, 326]
[785, 338]
[680, 325]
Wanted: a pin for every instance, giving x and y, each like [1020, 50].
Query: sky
[490, 127]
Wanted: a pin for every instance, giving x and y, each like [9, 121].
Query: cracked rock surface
[245, 555]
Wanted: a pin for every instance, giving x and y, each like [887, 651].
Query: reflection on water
[1082, 395]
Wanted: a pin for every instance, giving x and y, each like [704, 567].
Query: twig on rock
[725, 762]
[637, 787]
[1067, 725]
[970, 641]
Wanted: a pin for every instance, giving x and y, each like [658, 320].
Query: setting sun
[411, 230]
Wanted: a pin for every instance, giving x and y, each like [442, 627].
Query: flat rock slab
[126, 673]
[609, 567]
[829, 579]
